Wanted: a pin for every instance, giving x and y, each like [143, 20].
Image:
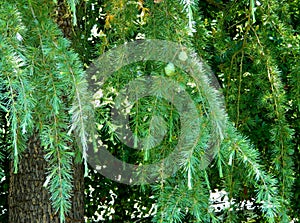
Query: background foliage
[251, 46]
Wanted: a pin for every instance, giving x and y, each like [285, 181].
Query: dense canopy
[251, 122]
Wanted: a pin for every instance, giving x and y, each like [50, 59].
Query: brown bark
[63, 18]
[29, 201]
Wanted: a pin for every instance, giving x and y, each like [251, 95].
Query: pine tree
[40, 78]
[251, 46]
[185, 195]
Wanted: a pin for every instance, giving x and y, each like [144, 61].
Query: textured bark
[29, 201]
[64, 18]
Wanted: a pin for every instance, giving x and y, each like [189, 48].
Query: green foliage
[15, 85]
[253, 48]
[36, 66]
[256, 64]
[237, 42]
[72, 4]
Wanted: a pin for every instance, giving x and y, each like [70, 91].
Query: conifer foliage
[40, 78]
[227, 41]
[251, 46]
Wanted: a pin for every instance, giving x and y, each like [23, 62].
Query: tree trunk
[29, 201]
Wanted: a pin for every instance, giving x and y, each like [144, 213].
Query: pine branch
[81, 117]
[72, 4]
[281, 133]
[52, 83]
[239, 151]
[16, 98]
[188, 6]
